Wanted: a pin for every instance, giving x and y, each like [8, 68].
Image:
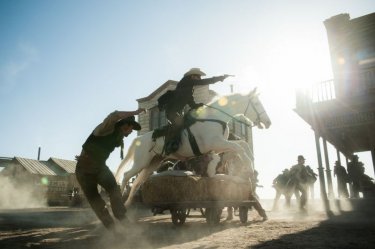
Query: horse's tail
[129, 156]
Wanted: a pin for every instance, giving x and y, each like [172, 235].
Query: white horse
[231, 161]
[210, 131]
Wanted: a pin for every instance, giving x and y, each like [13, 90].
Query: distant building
[341, 111]
[53, 179]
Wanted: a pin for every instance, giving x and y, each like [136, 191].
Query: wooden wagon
[179, 191]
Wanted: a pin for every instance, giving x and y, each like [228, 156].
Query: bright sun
[282, 69]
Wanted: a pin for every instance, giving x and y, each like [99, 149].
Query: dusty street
[78, 228]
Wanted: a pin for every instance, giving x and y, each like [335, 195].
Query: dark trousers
[302, 188]
[89, 182]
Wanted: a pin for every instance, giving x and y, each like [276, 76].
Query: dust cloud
[18, 195]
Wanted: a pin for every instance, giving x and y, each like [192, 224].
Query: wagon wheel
[243, 214]
[179, 216]
[213, 215]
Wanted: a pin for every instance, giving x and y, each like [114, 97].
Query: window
[243, 130]
[157, 118]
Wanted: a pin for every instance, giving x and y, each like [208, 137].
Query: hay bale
[163, 188]
[226, 190]
[169, 188]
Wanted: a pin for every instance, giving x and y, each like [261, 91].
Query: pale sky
[64, 65]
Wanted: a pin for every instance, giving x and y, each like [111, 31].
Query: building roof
[35, 166]
[53, 167]
[68, 165]
[160, 89]
[5, 161]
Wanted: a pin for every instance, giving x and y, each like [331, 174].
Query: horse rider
[182, 96]
[222, 169]
[280, 183]
[342, 179]
[354, 173]
[91, 169]
[299, 178]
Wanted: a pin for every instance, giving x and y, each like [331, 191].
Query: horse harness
[188, 122]
[250, 103]
[193, 142]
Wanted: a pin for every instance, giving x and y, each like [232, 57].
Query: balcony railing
[316, 93]
[323, 91]
[349, 86]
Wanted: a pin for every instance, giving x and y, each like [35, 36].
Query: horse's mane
[231, 96]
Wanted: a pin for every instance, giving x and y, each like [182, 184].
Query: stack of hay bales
[163, 188]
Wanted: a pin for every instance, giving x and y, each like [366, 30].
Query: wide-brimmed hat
[131, 121]
[194, 71]
[300, 157]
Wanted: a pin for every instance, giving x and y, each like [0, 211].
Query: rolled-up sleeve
[108, 124]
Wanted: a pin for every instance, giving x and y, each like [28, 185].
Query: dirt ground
[78, 228]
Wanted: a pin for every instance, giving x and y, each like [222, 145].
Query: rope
[240, 121]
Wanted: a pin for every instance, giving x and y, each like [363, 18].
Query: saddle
[172, 134]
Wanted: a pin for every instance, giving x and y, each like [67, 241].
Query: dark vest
[100, 147]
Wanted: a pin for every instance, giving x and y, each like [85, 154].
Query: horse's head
[256, 112]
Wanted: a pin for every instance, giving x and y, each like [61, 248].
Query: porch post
[338, 156]
[373, 158]
[323, 192]
[328, 171]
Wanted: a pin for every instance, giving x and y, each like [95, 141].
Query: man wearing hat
[342, 179]
[91, 169]
[299, 175]
[182, 96]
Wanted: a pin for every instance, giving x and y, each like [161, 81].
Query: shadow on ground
[345, 229]
[78, 229]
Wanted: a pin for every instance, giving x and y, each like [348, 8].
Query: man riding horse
[301, 178]
[173, 102]
[297, 180]
[280, 183]
[210, 131]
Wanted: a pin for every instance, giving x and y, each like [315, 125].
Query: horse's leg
[136, 169]
[211, 167]
[127, 175]
[142, 159]
[141, 178]
[288, 198]
[140, 155]
[128, 157]
[245, 146]
[276, 200]
[297, 195]
[258, 207]
[304, 197]
[249, 155]
[228, 146]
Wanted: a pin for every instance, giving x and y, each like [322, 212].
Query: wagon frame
[213, 209]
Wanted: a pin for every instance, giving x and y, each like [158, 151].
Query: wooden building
[52, 180]
[341, 111]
